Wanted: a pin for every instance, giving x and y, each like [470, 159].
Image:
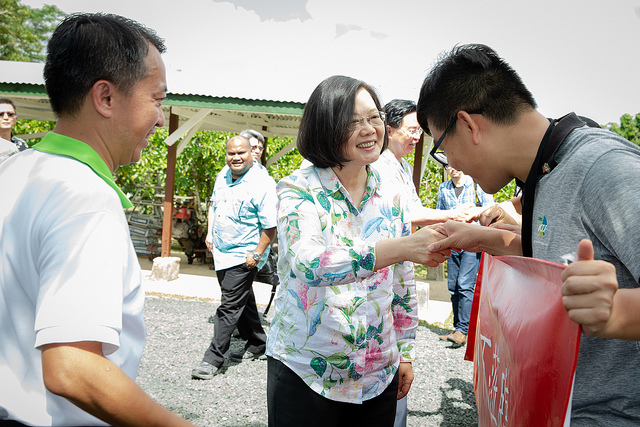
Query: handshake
[432, 244]
[501, 236]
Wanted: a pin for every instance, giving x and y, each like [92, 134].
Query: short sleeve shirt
[241, 209]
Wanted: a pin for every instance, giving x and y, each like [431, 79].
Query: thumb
[585, 250]
[440, 245]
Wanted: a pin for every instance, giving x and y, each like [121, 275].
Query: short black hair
[470, 78]
[10, 102]
[324, 128]
[396, 109]
[87, 47]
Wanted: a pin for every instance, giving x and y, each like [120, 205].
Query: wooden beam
[417, 164]
[169, 189]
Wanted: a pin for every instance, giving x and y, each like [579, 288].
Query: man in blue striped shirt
[462, 267]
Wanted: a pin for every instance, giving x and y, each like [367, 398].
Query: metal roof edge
[183, 100]
[234, 104]
[23, 89]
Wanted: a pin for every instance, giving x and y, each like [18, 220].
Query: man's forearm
[80, 373]
[265, 238]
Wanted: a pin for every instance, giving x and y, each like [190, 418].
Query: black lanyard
[543, 164]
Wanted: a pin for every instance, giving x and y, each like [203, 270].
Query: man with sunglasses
[485, 123]
[8, 118]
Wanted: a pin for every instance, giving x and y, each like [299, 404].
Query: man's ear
[389, 129]
[101, 95]
[471, 124]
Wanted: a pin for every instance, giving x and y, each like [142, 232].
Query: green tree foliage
[24, 31]
[28, 127]
[196, 167]
[628, 128]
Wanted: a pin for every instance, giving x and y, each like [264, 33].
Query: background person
[71, 304]
[9, 143]
[268, 272]
[404, 133]
[241, 225]
[257, 141]
[488, 127]
[462, 267]
[341, 341]
[8, 119]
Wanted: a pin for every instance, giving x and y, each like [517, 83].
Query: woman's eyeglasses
[376, 119]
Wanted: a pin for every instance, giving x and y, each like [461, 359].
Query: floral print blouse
[342, 327]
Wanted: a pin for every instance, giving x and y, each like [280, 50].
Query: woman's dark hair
[88, 47]
[470, 78]
[324, 129]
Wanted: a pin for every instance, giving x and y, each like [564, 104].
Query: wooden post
[417, 163]
[169, 189]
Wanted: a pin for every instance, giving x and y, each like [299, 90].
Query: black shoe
[239, 356]
[205, 371]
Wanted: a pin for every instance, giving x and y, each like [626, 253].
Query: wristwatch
[256, 256]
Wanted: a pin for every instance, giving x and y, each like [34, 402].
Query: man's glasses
[376, 119]
[8, 113]
[440, 156]
[416, 133]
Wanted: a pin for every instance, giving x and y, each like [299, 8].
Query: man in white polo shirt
[71, 326]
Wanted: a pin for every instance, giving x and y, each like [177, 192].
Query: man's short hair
[470, 78]
[250, 133]
[396, 109]
[240, 137]
[324, 127]
[10, 102]
[88, 47]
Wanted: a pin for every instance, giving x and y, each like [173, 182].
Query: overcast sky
[574, 55]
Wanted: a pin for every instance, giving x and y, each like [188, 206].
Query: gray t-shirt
[594, 193]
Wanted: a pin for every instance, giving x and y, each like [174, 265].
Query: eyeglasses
[376, 119]
[440, 156]
[8, 113]
[412, 132]
[257, 148]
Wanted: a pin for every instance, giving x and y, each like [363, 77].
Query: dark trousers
[237, 309]
[462, 271]
[292, 403]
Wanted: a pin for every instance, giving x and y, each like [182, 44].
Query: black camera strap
[543, 164]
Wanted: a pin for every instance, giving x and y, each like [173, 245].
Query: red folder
[522, 343]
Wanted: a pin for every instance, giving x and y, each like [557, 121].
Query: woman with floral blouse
[342, 338]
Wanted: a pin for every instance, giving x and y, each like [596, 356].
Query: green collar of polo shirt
[54, 143]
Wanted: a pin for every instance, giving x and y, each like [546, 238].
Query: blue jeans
[462, 270]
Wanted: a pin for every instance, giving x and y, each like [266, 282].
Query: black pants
[292, 403]
[237, 309]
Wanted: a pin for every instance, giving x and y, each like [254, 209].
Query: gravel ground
[178, 332]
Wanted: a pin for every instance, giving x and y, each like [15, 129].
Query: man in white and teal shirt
[242, 221]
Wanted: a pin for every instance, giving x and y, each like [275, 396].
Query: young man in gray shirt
[580, 197]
